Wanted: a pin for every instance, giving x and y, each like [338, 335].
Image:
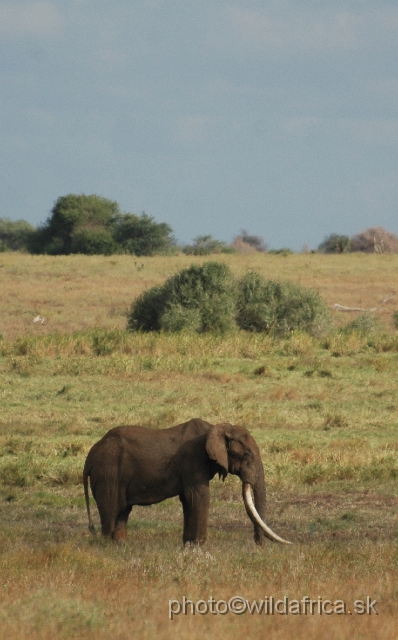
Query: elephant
[133, 465]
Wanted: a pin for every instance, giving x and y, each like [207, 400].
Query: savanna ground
[324, 412]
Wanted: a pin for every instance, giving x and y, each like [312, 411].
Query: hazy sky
[279, 117]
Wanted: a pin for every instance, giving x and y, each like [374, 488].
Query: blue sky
[276, 117]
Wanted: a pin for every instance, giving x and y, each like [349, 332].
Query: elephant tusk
[255, 517]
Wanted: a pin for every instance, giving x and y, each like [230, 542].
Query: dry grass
[129, 598]
[323, 413]
[75, 293]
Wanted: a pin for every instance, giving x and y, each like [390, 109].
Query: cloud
[28, 19]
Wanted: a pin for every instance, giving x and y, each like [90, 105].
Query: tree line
[92, 225]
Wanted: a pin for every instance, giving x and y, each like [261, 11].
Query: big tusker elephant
[133, 465]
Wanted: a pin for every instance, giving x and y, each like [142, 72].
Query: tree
[141, 235]
[15, 235]
[375, 240]
[97, 241]
[73, 218]
[95, 225]
[205, 245]
[335, 244]
[255, 243]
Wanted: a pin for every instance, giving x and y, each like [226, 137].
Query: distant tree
[242, 247]
[141, 235]
[72, 215]
[284, 251]
[375, 240]
[95, 225]
[205, 245]
[335, 244]
[96, 241]
[15, 235]
[255, 242]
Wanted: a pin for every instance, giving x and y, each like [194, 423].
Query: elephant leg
[108, 520]
[195, 505]
[110, 504]
[120, 530]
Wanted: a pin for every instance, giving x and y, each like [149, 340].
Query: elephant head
[236, 452]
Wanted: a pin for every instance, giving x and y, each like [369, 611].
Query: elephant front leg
[195, 505]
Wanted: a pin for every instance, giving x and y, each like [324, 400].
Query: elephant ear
[216, 446]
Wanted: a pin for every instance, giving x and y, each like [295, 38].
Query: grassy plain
[324, 412]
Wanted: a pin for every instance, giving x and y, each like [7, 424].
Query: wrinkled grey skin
[133, 465]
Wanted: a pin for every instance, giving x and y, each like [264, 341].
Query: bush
[284, 251]
[200, 298]
[242, 247]
[95, 225]
[206, 245]
[207, 298]
[256, 243]
[15, 235]
[147, 310]
[335, 244]
[141, 235]
[365, 324]
[375, 240]
[179, 318]
[269, 306]
[97, 241]
[73, 219]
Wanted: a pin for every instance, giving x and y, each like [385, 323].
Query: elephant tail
[86, 474]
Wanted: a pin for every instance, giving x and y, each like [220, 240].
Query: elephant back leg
[120, 530]
[111, 501]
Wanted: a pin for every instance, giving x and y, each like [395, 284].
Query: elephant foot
[193, 543]
[119, 535]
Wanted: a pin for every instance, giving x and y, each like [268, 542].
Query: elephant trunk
[256, 518]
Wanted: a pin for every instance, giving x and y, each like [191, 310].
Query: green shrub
[97, 241]
[285, 251]
[141, 235]
[15, 235]
[71, 215]
[207, 298]
[335, 243]
[365, 324]
[179, 318]
[106, 342]
[205, 245]
[200, 298]
[95, 226]
[279, 307]
[147, 310]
